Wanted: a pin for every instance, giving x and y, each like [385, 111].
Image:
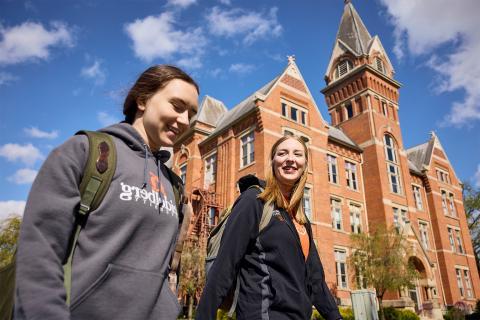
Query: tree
[382, 260]
[192, 273]
[9, 231]
[471, 203]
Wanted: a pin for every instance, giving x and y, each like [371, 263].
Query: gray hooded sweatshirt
[121, 261]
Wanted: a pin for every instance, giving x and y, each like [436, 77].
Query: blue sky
[66, 65]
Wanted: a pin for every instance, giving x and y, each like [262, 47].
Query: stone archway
[419, 294]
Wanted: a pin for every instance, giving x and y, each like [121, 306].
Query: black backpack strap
[184, 209]
[97, 176]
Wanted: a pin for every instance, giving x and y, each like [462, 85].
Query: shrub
[316, 315]
[391, 313]
[347, 313]
[408, 315]
[454, 314]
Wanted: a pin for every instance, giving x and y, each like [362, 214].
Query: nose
[290, 157]
[182, 119]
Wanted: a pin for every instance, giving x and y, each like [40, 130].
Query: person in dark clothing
[280, 272]
[121, 262]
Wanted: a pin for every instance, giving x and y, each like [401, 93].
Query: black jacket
[275, 280]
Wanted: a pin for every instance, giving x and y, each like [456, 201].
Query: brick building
[360, 173]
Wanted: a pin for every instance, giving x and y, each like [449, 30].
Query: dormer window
[343, 67]
[379, 65]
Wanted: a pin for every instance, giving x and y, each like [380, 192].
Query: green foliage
[347, 313]
[408, 315]
[223, 315]
[9, 231]
[471, 203]
[316, 316]
[382, 260]
[192, 271]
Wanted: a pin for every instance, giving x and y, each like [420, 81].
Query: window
[379, 65]
[394, 174]
[355, 219]
[444, 202]
[384, 109]
[247, 148]
[293, 114]
[459, 241]
[304, 118]
[336, 209]
[183, 172]
[399, 218]
[211, 216]
[423, 227]
[451, 239]
[210, 170]
[459, 281]
[468, 283]
[351, 175]
[341, 268]
[307, 203]
[349, 109]
[443, 176]
[390, 149]
[393, 170]
[343, 68]
[418, 197]
[332, 168]
[452, 204]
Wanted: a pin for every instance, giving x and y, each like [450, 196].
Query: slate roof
[240, 109]
[210, 111]
[420, 155]
[340, 136]
[352, 31]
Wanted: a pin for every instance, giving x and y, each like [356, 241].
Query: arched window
[342, 68]
[393, 170]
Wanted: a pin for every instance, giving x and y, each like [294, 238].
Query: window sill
[334, 184]
[339, 231]
[452, 217]
[248, 165]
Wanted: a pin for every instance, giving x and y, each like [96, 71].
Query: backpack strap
[97, 176]
[184, 209]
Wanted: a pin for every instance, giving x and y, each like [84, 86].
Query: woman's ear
[140, 105]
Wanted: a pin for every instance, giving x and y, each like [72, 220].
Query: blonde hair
[272, 193]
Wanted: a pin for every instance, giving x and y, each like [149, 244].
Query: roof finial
[347, 1]
[291, 59]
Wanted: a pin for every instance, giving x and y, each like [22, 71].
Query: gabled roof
[419, 156]
[241, 109]
[210, 111]
[352, 31]
[338, 135]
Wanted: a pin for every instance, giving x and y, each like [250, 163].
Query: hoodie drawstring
[144, 185]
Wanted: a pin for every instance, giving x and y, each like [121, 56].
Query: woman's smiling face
[289, 162]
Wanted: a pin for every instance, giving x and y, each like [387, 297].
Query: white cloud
[94, 72]
[181, 3]
[421, 27]
[7, 78]
[34, 132]
[28, 154]
[10, 208]
[106, 119]
[241, 68]
[31, 41]
[156, 37]
[476, 179]
[23, 176]
[190, 63]
[249, 24]
[215, 73]
[225, 2]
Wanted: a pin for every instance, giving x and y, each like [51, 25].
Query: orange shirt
[304, 240]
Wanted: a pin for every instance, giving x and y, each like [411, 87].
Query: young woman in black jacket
[280, 272]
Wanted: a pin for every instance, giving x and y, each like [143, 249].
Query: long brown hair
[272, 191]
[149, 82]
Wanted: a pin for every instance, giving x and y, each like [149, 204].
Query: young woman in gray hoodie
[123, 253]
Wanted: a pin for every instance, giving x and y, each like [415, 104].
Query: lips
[174, 130]
[289, 169]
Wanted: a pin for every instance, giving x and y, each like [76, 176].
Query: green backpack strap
[184, 209]
[97, 176]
